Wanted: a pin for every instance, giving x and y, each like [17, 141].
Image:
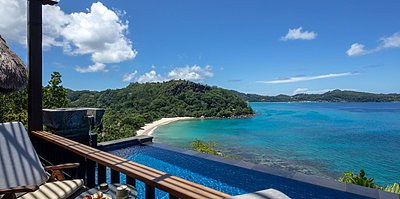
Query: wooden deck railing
[90, 158]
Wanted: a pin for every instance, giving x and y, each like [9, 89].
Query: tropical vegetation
[14, 106]
[362, 180]
[352, 178]
[395, 188]
[54, 94]
[129, 108]
[208, 148]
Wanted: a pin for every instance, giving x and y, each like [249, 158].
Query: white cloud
[97, 67]
[300, 90]
[392, 41]
[297, 33]
[151, 76]
[129, 76]
[99, 32]
[13, 20]
[356, 49]
[308, 91]
[191, 73]
[306, 78]
[54, 21]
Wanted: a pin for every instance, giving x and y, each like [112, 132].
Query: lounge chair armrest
[28, 188]
[62, 166]
[56, 173]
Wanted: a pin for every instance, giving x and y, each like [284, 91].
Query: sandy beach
[149, 128]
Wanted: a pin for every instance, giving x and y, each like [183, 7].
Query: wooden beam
[35, 121]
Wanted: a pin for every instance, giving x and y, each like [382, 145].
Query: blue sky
[257, 46]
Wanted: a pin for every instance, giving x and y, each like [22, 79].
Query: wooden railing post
[82, 168]
[114, 176]
[101, 173]
[131, 181]
[90, 173]
[150, 192]
[172, 197]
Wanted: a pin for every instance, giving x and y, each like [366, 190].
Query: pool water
[219, 176]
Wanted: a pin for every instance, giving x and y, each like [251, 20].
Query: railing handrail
[174, 185]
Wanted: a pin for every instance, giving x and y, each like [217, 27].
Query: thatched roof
[13, 74]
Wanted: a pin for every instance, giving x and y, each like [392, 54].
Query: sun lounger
[22, 174]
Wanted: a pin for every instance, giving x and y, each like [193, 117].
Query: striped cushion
[55, 190]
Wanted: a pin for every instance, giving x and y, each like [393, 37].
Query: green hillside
[131, 107]
[331, 96]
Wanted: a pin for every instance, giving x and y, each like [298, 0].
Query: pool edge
[309, 179]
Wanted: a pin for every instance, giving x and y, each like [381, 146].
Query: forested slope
[131, 107]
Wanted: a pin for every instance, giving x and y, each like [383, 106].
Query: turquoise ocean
[323, 139]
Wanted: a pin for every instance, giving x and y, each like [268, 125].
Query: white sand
[148, 129]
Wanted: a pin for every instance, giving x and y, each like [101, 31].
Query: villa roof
[13, 73]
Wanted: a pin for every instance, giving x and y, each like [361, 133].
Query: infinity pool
[223, 177]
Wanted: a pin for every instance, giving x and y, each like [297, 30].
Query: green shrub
[395, 188]
[351, 178]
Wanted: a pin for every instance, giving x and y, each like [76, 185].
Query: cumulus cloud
[356, 49]
[298, 33]
[97, 67]
[191, 73]
[151, 76]
[386, 42]
[54, 21]
[99, 32]
[129, 76]
[307, 78]
[13, 20]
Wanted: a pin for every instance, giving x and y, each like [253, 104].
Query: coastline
[148, 129]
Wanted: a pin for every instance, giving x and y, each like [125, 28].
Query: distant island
[331, 96]
[130, 108]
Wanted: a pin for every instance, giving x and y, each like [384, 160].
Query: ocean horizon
[323, 139]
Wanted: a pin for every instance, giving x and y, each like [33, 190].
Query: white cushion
[264, 194]
[55, 190]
